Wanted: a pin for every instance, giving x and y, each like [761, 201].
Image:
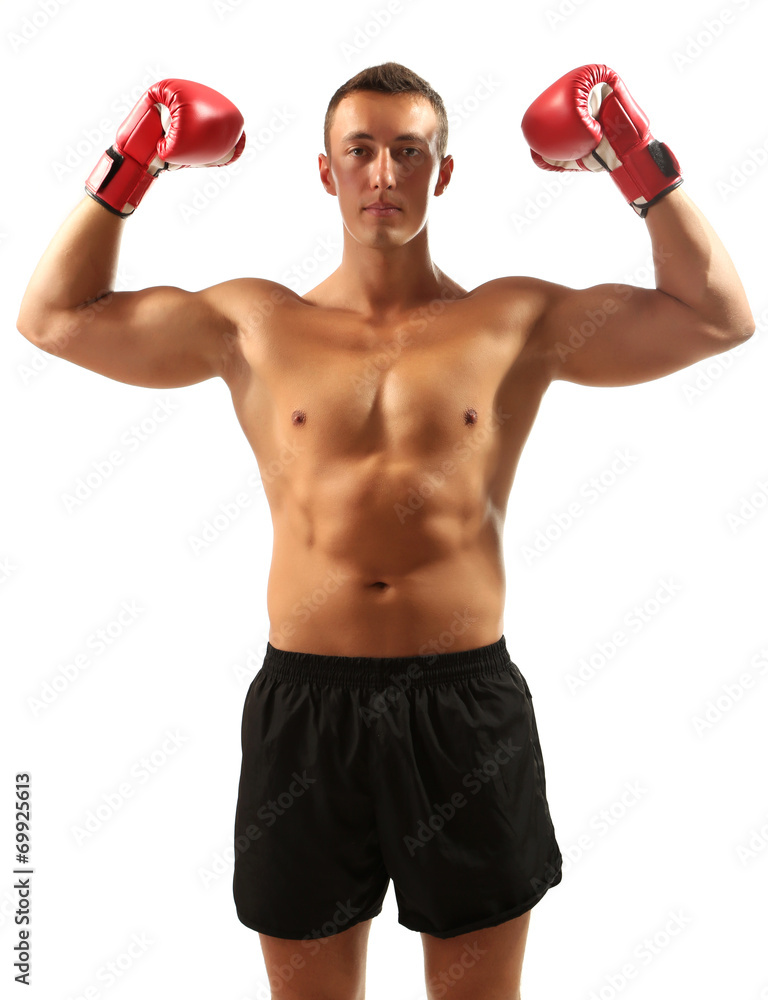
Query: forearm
[79, 264]
[693, 266]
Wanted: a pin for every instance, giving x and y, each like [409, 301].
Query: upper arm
[617, 334]
[161, 337]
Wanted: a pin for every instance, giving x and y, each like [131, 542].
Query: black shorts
[423, 769]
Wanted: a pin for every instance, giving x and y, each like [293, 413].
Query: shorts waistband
[373, 671]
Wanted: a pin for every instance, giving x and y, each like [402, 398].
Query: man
[388, 733]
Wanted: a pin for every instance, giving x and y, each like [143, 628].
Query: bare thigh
[480, 965]
[329, 968]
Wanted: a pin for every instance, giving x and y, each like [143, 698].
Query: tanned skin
[387, 409]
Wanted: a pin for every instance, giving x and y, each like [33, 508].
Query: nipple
[298, 416]
[470, 416]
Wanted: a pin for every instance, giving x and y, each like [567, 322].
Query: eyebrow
[405, 137]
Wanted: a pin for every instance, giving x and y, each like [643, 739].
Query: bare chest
[344, 388]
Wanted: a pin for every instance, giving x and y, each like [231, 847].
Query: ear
[444, 176]
[326, 178]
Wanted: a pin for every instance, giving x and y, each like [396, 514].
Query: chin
[376, 239]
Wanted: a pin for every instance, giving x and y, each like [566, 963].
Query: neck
[384, 281]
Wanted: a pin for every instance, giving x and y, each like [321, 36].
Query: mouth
[382, 209]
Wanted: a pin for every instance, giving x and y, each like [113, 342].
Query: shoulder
[246, 301]
[519, 301]
[236, 293]
[517, 288]
[244, 306]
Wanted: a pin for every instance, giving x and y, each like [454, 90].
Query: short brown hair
[389, 78]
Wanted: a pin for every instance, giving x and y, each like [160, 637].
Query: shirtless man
[388, 733]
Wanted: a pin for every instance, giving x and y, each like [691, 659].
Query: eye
[407, 149]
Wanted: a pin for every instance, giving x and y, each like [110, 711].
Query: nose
[382, 171]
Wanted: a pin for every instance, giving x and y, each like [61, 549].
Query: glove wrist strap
[646, 174]
[118, 182]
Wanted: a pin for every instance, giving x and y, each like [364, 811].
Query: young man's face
[383, 149]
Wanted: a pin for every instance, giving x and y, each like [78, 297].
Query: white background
[184, 664]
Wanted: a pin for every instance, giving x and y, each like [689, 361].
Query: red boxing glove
[587, 120]
[176, 123]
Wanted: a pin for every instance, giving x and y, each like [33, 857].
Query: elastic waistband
[376, 671]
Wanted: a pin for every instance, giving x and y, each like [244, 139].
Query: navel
[470, 416]
[298, 416]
